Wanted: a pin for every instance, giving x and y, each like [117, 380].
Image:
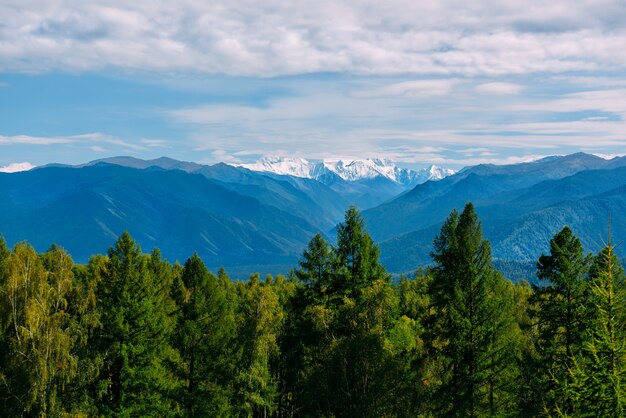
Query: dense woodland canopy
[129, 334]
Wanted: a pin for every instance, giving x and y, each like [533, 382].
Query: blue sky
[448, 82]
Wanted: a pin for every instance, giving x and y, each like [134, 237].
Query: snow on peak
[349, 170]
[16, 167]
[363, 169]
[297, 167]
[437, 173]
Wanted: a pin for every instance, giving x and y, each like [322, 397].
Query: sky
[446, 82]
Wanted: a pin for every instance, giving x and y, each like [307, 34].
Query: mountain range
[327, 171]
[521, 207]
[261, 220]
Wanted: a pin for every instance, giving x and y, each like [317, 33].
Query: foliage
[473, 334]
[204, 337]
[601, 364]
[129, 334]
[135, 312]
[562, 320]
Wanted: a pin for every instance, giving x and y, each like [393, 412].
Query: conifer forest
[129, 334]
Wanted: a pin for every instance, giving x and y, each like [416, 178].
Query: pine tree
[204, 338]
[356, 256]
[562, 320]
[302, 342]
[135, 312]
[601, 366]
[473, 321]
[341, 338]
[315, 266]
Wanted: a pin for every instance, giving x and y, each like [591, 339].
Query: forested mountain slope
[521, 207]
[245, 219]
[85, 209]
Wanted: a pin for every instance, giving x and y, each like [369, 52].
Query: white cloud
[265, 38]
[592, 81]
[499, 88]
[33, 140]
[154, 143]
[410, 89]
[380, 120]
[611, 100]
[16, 167]
[494, 159]
[90, 138]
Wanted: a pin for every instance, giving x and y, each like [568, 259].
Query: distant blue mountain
[230, 215]
[251, 221]
[521, 207]
[85, 209]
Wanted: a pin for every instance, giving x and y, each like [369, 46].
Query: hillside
[85, 209]
[245, 219]
[520, 211]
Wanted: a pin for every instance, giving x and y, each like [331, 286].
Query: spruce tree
[303, 343]
[473, 321]
[135, 312]
[356, 256]
[204, 339]
[562, 320]
[315, 266]
[348, 361]
[601, 366]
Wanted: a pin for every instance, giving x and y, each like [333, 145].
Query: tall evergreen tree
[356, 256]
[204, 338]
[348, 358]
[601, 366]
[473, 321]
[315, 266]
[135, 311]
[302, 343]
[562, 320]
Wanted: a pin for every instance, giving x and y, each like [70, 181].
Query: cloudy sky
[439, 81]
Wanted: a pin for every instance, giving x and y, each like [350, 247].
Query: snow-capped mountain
[16, 167]
[348, 170]
[365, 169]
[434, 173]
[297, 167]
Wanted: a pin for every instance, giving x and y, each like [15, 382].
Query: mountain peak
[437, 173]
[16, 167]
[348, 170]
[363, 169]
[297, 167]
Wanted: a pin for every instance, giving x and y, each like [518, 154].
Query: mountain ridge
[238, 217]
[353, 170]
